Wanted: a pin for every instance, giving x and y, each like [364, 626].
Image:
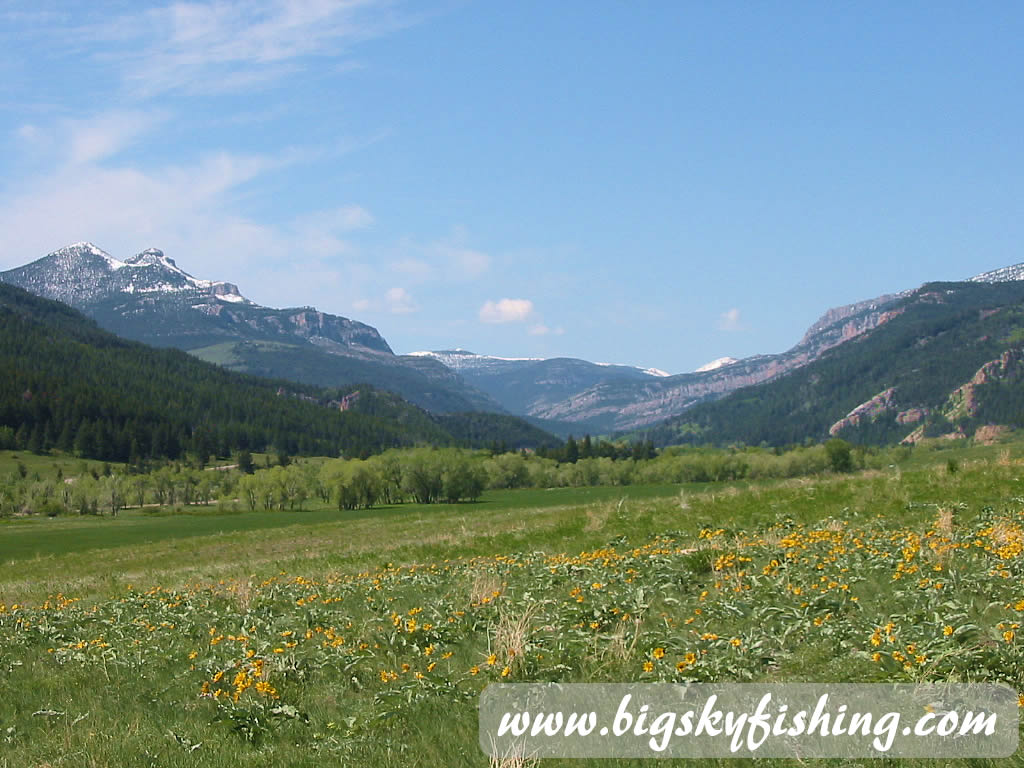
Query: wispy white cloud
[506, 311]
[399, 302]
[107, 134]
[227, 45]
[323, 234]
[446, 260]
[730, 320]
[27, 132]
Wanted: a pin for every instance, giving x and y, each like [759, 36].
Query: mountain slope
[71, 385]
[891, 381]
[602, 399]
[149, 298]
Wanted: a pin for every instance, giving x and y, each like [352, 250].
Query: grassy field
[364, 638]
[46, 467]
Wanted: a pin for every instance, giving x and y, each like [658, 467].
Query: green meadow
[200, 636]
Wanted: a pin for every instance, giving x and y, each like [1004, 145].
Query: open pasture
[364, 638]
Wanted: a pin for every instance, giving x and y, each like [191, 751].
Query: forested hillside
[71, 386]
[943, 334]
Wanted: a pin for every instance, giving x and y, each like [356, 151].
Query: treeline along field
[420, 475]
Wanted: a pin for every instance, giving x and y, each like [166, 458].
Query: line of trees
[419, 475]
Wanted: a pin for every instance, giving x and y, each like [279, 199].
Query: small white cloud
[362, 305]
[730, 320]
[400, 302]
[506, 311]
[106, 134]
[28, 132]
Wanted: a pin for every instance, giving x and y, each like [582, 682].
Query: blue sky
[650, 183]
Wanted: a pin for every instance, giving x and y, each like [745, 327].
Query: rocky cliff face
[962, 401]
[872, 409]
[862, 316]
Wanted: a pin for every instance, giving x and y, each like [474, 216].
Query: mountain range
[604, 398]
[149, 298]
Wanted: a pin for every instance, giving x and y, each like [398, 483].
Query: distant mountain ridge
[464, 360]
[537, 387]
[603, 399]
[618, 399]
[148, 298]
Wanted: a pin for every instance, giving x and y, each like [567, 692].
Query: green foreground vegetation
[422, 475]
[215, 634]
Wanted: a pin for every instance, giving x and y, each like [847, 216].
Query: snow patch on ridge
[461, 359]
[714, 365]
[1001, 275]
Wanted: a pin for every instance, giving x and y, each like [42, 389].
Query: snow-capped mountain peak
[180, 280]
[83, 274]
[153, 257]
[148, 297]
[77, 250]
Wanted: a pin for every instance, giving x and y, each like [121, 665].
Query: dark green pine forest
[68, 385]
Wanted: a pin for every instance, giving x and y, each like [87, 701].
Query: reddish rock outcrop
[869, 410]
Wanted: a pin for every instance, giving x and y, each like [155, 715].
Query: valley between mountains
[149, 298]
